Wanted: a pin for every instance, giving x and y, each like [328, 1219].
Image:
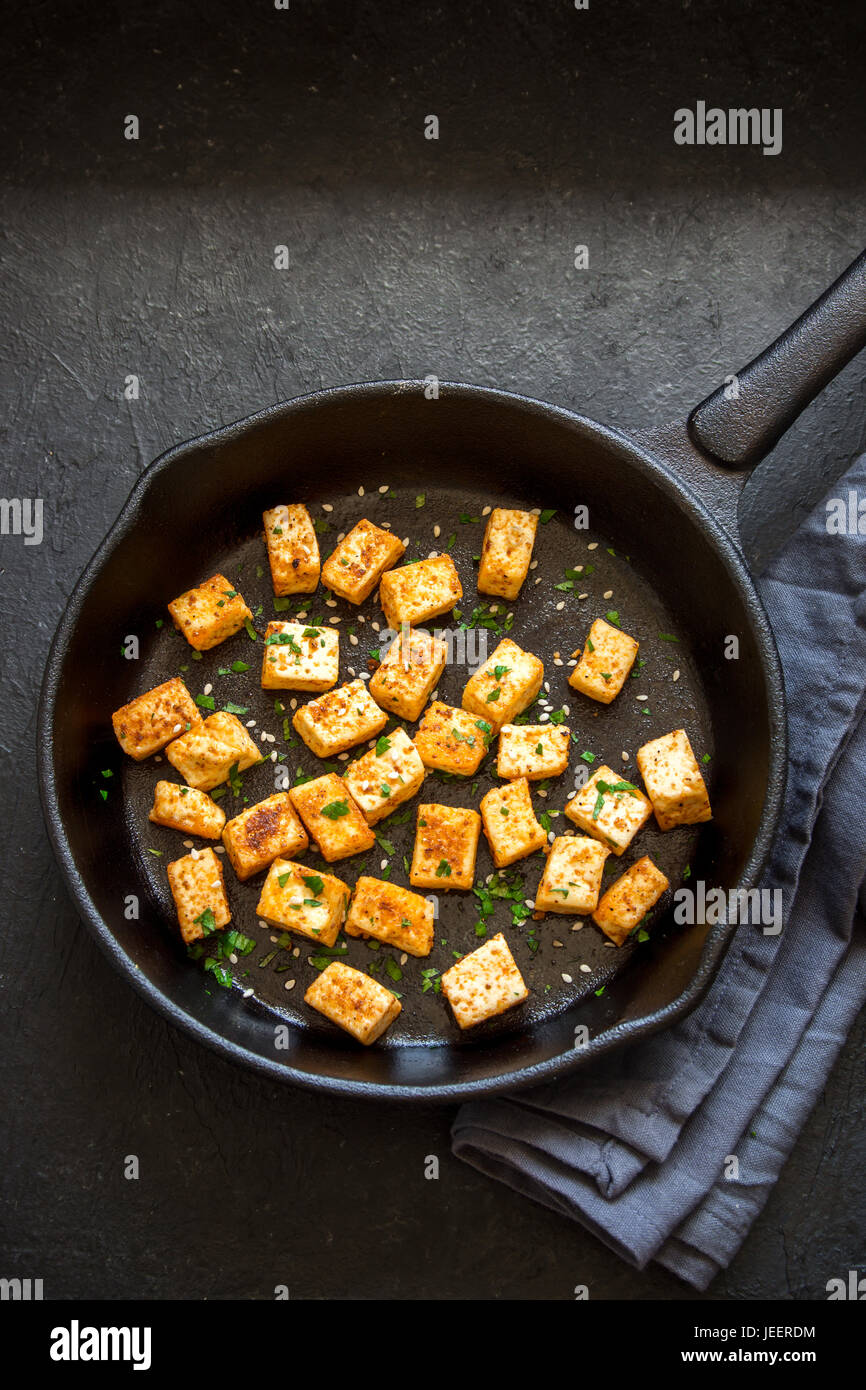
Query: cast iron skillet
[662, 511]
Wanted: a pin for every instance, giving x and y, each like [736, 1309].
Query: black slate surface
[304, 127]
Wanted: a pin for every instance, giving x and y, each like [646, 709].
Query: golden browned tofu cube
[452, 740]
[332, 817]
[506, 552]
[339, 719]
[353, 1001]
[408, 672]
[446, 843]
[393, 915]
[509, 823]
[361, 558]
[502, 688]
[153, 719]
[267, 831]
[607, 658]
[571, 881]
[297, 657]
[210, 613]
[416, 593]
[629, 899]
[199, 892]
[303, 901]
[534, 751]
[483, 984]
[206, 755]
[184, 808]
[673, 779]
[609, 809]
[293, 550]
[386, 776]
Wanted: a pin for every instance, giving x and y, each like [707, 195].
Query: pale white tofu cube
[393, 915]
[421, 591]
[610, 809]
[571, 881]
[509, 823]
[673, 779]
[534, 751]
[303, 901]
[359, 561]
[408, 672]
[629, 899]
[293, 550]
[298, 657]
[386, 776]
[354, 1001]
[607, 659]
[504, 685]
[483, 984]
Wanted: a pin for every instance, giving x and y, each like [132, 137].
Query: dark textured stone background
[304, 127]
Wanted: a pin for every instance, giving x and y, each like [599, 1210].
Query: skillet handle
[738, 430]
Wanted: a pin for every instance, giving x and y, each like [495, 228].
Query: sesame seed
[541, 791]
[437, 530]
[533, 564]
[593, 545]
[251, 723]
[297, 951]
[302, 615]
[274, 756]
[676, 675]
[556, 661]
[343, 757]
[375, 627]
[384, 487]
[641, 697]
[624, 756]
[406, 540]
[577, 926]
[336, 620]
[360, 492]
[385, 525]
[177, 728]
[403, 958]
[586, 969]
[538, 580]
[330, 603]
[608, 593]
[572, 662]
[583, 596]
[566, 709]
[158, 758]
[290, 984]
[535, 511]
[486, 511]
[547, 686]
[326, 507]
[341, 537]
[233, 958]
[208, 688]
[193, 854]
[557, 943]
[551, 835]
[494, 608]
[560, 605]
[293, 704]
[351, 670]
[353, 639]
[567, 978]
[383, 864]
[247, 993]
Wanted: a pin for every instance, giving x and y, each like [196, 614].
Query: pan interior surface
[637, 554]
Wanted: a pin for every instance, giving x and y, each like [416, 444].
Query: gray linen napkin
[636, 1147]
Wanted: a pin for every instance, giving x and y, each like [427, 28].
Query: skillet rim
[677, 491]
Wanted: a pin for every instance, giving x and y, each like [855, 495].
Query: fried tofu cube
[206, 755]
[452, 740]
[508, 681]
[509, 823]
[301, 900]
[339, 719]
[609, 809]
[184, 808]
[386, 776]
[153, 719]
[353, 1001]
[416, 593]
[262, 833]
[673, 779]
[361, 558]
[297, 657]
[408, 672]
[534, 751]
[483, 984]
[293, 550]
[506, 552]
[629, 899]
[210, 613]
[199, 892]
[607, 658]
[446, 843]
[571, 881]
[332, 817]
[391, 914]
